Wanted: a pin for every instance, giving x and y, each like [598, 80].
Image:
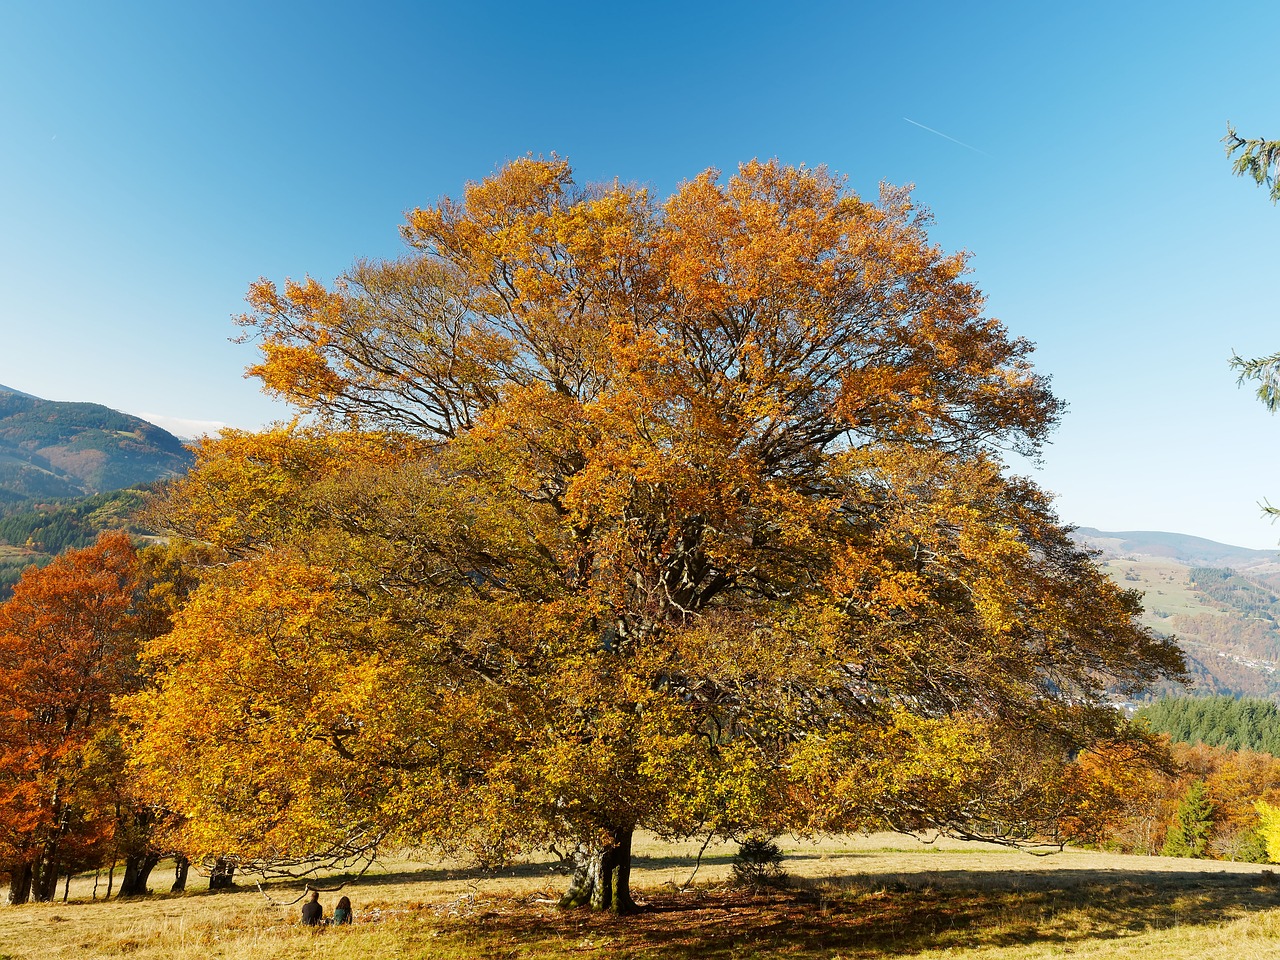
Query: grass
[874, 897]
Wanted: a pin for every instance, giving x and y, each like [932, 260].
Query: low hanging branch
[697, 864]
[308, 888]
[361, 847]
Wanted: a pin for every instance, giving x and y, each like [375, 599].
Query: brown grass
[850, 897]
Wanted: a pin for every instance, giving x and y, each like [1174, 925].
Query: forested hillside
[37, 533]
[1222, 603]
[69, 471]
[55, 450]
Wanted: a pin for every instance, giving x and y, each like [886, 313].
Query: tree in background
[1235, 781]
[1133, 803]
[69, 639]
[1119, 795]
[1270, 828]
[615, 514]
[1188, 834]
[1244, 723]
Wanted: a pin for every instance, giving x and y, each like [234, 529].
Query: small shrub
[758, 863]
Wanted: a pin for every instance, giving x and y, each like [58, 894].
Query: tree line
[1187, 800]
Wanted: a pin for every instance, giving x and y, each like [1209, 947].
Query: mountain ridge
[1220, 602]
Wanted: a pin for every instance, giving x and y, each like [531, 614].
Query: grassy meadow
[866, 897]
[1166, 589]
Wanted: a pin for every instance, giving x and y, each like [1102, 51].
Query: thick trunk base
[222, 875]
[44, 880]
[181, 866]
[137, 871]
[602, 875]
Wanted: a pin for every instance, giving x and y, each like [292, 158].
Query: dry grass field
[865, 897]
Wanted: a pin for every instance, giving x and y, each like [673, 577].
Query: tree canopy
[612, 513]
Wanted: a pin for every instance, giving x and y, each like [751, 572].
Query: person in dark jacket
[342, 912]
[312, 912]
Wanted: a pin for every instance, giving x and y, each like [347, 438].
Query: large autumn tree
[610, 513]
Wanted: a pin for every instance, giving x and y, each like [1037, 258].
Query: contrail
[945, 137]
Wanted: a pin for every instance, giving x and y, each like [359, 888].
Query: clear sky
[155, 158]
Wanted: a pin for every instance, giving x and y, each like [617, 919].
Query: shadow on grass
[879, 915]
[551, 871]
[546, 870]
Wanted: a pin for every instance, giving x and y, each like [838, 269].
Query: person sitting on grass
[342, 912]
[312, 912]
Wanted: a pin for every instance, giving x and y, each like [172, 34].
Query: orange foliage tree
[68, 642]
[1125, 795]
[612, 513]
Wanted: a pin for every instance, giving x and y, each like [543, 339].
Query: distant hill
[1180, 548]
[56, 450]
[1221, 602]
[69, 471]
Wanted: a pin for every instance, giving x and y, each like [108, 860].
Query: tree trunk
[220, 877]
[180, 867]
[602, 874]
[137, 871]
[20, 877]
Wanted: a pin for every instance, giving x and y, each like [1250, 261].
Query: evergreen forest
[1246, 723]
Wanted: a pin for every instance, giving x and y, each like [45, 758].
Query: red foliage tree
[68, 638]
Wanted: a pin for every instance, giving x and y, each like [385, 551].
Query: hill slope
[36, 534]
[51, 449]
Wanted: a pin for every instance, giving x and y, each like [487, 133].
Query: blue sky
[157, 158]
